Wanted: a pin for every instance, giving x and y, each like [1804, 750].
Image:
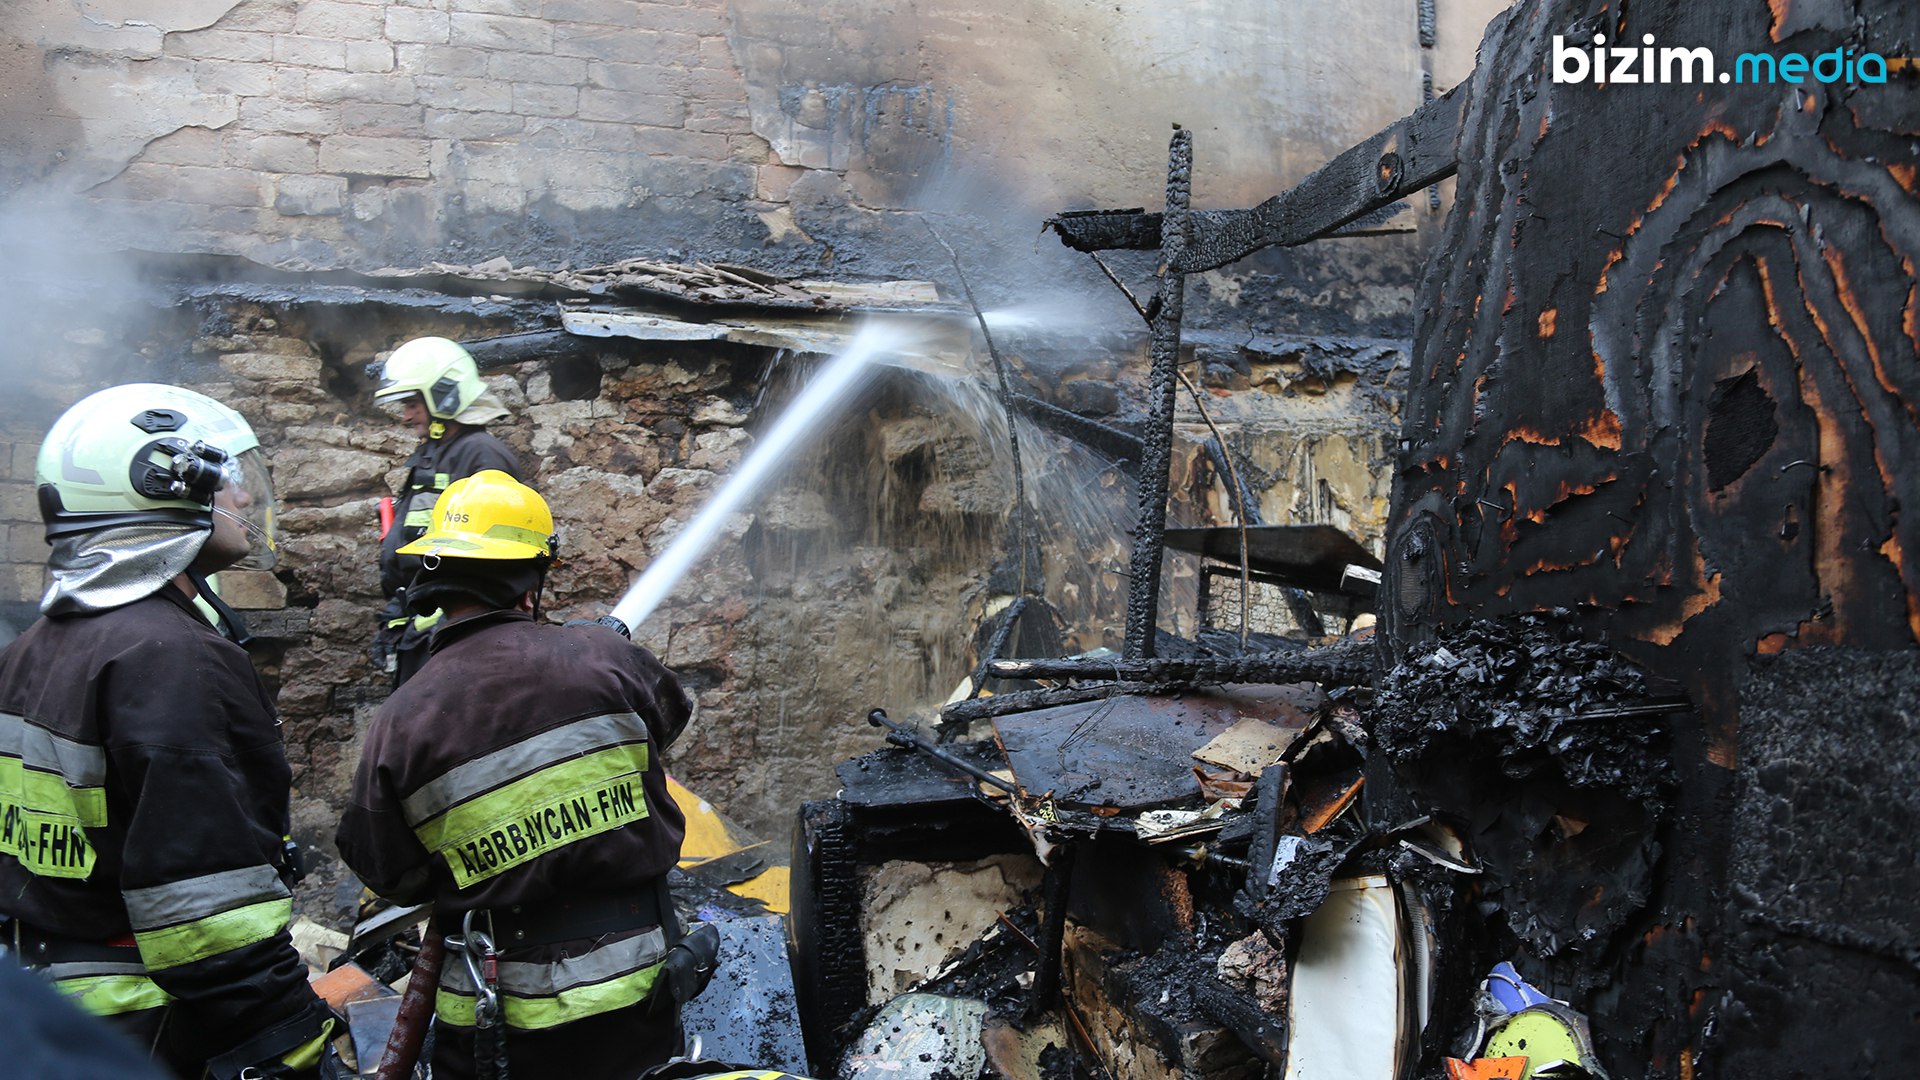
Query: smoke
[73, 312]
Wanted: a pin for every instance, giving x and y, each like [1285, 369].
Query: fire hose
[416, 1011]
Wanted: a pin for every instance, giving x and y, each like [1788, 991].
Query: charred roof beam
[1411, 153]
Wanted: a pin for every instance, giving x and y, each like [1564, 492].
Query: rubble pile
[1251, 877]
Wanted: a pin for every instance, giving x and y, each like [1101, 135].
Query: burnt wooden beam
[509, 349]
[1407, 155]
[1165, 315]
[1336, 665]
[1107, 230]
[1108, 440]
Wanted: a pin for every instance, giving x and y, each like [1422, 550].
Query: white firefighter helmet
[439, 370]
[150, 454]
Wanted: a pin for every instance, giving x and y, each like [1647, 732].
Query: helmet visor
[246, 499]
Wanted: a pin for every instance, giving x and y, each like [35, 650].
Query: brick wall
[335, 133]
[23, 571]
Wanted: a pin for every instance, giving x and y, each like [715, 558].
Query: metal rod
[902, 735]
[1238, 501]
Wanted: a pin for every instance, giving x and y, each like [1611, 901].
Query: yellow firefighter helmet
[488, 515]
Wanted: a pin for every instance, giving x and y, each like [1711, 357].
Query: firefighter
[439, 393]
[517, 782]
[144, 861]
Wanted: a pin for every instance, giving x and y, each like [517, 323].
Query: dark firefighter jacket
[521, 770]
[144, 792]
[435, 464]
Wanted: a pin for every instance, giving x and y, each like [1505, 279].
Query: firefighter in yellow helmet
[144, 864]
[517, 781]
[437, 389]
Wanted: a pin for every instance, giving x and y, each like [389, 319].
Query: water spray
[814, 405]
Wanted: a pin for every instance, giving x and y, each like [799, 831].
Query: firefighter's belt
[38, 948]
[517, 926]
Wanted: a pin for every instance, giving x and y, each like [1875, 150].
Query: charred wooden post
[1053, 931]
[1156, 452]
[1664, 395]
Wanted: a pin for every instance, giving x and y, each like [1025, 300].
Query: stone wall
[856, 579]
[819, 139]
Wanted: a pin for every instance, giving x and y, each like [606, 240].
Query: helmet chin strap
[236, 627]
[437, 429]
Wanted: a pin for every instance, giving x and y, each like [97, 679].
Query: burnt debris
[1625, 786]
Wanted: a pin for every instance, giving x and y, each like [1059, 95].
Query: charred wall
[1663, 393]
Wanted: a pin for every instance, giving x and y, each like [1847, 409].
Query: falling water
[815, 404]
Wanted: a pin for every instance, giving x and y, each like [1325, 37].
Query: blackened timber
[546, 345]
[1053, 932]
[1263, 1033]
[1108, 230]
[1401, 159]
[1143, 596]
[1094, 231]
[1407, 155]
[1339, 665]
[986, 708]
[1111, 441]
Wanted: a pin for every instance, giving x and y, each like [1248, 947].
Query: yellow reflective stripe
[424, 623]
[307, 1055]
[515, 532]
[206, 611]
[43, 821]
[419, 518]
[113, 995]
[573, 1003]
[213, 935]
[441, 480]
[49, 793]
[551, 808]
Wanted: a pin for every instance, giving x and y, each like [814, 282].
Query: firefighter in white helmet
[144, 861]
[517, 781]
[438, 392]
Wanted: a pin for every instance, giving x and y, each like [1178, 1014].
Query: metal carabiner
[483, 969]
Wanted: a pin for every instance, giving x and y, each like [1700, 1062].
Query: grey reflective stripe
[524, 979]
[197, 898]
[527, 756]
[81, 970]
[77, 763]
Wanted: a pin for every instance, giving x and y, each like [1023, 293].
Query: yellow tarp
[710, 836]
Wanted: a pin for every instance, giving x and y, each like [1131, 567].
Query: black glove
[264, 1055]
[689, 965]
[386, 641]
[386, 636]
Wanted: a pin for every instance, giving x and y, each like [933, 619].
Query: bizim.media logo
[1603, 63]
